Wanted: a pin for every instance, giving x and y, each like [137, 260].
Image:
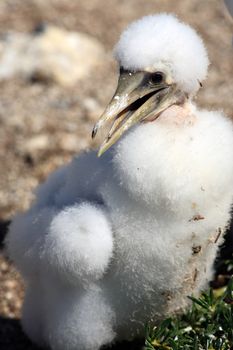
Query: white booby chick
[114, 242]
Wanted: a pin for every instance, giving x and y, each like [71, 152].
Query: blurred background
[56, 76]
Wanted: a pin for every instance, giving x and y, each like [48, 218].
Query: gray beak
[138, 96]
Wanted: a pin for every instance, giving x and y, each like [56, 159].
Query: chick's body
[117, 241]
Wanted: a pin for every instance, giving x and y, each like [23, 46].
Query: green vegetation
[208, 325]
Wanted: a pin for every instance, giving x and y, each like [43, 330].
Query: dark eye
[156, 78]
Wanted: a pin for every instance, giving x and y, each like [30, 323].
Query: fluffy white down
[170, 170]
[163, 39]
[26, 238]
[79, 320]
[78, 245]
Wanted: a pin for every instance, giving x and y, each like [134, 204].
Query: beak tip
[99, 154]
[103, 148]
[94, 131]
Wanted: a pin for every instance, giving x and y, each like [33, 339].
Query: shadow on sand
[225, 252]
[3, 231]
[13, 338]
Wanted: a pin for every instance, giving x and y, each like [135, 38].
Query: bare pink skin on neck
[177, 115]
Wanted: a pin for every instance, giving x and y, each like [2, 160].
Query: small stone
[9, 295]
[35, 143]
[10, 284]
[3, 266]
[91, 104]
[69, 142]
[196, 249]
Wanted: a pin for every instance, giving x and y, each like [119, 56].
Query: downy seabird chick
[117, 241]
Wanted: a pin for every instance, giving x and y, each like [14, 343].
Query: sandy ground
[59, 117]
